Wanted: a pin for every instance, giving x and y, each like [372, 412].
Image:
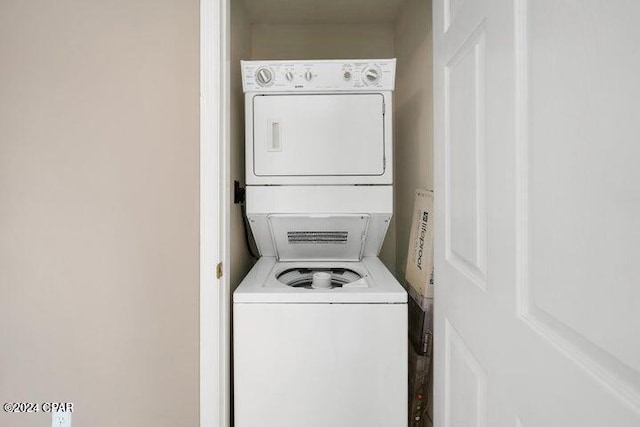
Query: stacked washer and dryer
[320, 324]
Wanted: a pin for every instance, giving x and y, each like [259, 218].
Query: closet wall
[413, 116]
[322, 41]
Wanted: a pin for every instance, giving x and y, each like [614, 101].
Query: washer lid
[361, 282]
[330, 237]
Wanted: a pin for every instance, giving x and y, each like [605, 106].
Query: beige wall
[322, 41]
[99, 210]
[413, 112]
[241, 260]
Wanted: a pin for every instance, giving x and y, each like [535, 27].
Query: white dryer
[320, 325]
[321, 122]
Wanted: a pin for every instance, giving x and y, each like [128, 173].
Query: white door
[537, 148]
[316, 135]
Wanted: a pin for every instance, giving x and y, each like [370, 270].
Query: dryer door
[318, 135]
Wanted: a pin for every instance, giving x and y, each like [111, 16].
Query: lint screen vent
[318, 237]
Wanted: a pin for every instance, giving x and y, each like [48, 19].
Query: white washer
[320, 357]
[320, 325]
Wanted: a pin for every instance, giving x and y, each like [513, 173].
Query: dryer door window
[318, 135]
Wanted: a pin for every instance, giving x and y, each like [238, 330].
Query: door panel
[316, 135]
[537, 213]
[465, 383]
[464, 159]
[589, 185]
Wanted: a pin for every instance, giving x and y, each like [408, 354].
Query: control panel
[309, 76]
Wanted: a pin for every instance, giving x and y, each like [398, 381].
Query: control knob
[264, 76]
[288, 75]
[308, 76]
[371, 75]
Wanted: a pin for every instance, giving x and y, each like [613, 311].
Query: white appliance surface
[318, 122]
[320, 324]
[318, 134]
[319, 237]
[324, 209]
[319, 75]
[320, 357]
[261, 285]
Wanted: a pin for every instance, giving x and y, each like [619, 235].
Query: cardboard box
[420, 286]
[419, 269]
[422, 301]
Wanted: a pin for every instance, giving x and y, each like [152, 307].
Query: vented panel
[318, 237]
[328, 237]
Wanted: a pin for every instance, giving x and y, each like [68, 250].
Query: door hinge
[219, 270]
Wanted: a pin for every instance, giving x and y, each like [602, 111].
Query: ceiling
[322, 11]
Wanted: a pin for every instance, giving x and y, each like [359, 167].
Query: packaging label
[419, 269]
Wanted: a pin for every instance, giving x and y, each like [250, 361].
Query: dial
[371, 75]
[308, 75]
[288, 75]
[264, 76]
[347, 75]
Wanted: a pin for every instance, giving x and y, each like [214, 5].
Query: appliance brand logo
[423, 230]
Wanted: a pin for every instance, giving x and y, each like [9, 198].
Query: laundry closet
[341, 29]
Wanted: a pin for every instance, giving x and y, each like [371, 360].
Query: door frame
[215, 308]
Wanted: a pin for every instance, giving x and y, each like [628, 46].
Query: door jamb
[215, 307]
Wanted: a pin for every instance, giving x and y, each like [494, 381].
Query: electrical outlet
[61, 419]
